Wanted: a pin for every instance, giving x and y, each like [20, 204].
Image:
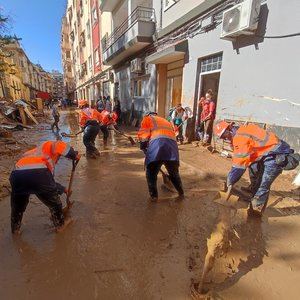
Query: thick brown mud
[122, 246]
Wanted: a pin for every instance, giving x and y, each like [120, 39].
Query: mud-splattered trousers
[90, 133]
[262, 175]
[41, 183]
[152, 170]
[105, 132]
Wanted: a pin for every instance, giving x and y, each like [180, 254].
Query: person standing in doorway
[207, 116]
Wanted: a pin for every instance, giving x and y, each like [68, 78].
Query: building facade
[22, 79]
[249, 74]
[58, 91]
[158, 53]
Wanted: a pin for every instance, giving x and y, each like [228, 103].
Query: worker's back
[89, 114]
[252, 142]
[155, 127]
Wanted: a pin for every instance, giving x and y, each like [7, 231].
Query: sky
[38, 23]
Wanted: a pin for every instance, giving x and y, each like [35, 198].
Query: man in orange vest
[259, 150]
[89, 121]
[158, 141]
[107, 119]
[33, 174]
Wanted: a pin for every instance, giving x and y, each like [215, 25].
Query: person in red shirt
[207, 116]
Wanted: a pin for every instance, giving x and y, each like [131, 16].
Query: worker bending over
[107, 119]
[158, 141]
[89, 121]
[262, 152]
[33, 174]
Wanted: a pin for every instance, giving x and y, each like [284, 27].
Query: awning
[168, 55]
[43, 95]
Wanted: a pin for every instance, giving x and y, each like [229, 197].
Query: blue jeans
[262, 175]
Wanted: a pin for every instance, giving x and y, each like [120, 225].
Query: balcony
[134, 34]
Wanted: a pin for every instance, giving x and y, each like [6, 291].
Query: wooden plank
[39, 103]
[22, 115]
[29, 114]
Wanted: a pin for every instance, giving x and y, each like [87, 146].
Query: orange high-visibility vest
[108, 118]
[44, 156]
[87, 114]
[251, 143]
[154, 127]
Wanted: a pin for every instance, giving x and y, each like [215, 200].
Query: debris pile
[17, 115]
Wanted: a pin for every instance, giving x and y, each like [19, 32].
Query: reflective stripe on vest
[45, 160]
[167, 129]
[31, 167]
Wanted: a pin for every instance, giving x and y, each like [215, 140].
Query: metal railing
[144, 14]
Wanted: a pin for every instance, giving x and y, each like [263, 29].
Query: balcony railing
[144, 14]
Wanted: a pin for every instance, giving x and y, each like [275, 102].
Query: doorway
[174, 84]
[210, 81]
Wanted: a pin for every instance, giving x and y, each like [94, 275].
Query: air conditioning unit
[241, 19]
[136, 66]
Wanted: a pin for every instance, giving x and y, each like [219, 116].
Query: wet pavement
[118, 246]
[122, 246]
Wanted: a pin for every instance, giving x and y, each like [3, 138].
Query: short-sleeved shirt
[208, 106]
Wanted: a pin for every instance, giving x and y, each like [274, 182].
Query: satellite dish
[232, 20]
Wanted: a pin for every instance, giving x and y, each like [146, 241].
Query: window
[137, 88]
[211, 63]
[68, 54]
[72, 35]
[96, 56]
[90, 62]
[88, 29]
[169, 3]
[82, 39]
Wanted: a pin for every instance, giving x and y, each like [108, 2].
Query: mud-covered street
[121, 245]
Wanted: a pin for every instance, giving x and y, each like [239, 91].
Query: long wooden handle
[74, 164]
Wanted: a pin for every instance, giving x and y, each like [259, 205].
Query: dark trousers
[55, 123]
[262, 174]
[179, 137]
[105, 133]
[89, 136]
[39, 182]
[152, 170]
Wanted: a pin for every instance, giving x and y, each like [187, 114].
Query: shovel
[69, 203]
[166, 180]
[226, 198]
[64, 134]
[130, 138]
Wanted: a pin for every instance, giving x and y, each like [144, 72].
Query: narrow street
[122, 246]
[119, 245]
